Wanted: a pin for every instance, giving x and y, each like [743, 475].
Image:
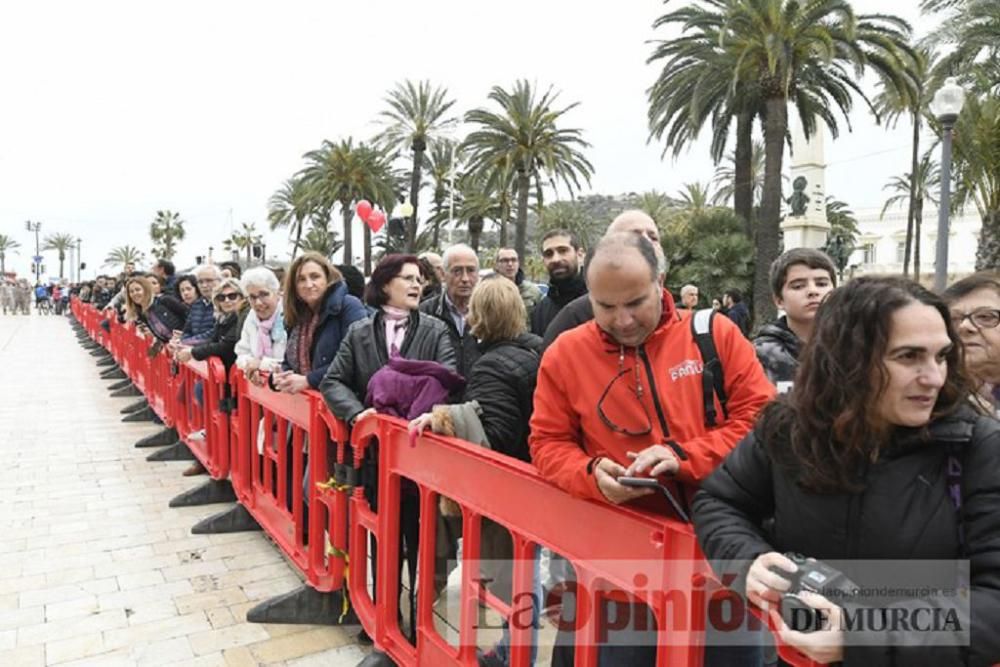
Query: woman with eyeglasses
[261, 347]
[975, 312]
[318, 311]
[230, 304]
[876, 466]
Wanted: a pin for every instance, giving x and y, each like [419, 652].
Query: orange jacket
[568, 433]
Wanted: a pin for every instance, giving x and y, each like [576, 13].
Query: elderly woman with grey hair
[262, 343]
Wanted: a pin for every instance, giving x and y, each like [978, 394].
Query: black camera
[815, 577]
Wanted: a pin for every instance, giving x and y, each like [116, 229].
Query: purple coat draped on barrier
[408, 388]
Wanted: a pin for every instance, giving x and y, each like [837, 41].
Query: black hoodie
[778, 351]
[560, 293]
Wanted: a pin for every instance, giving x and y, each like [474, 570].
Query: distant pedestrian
[736, 310]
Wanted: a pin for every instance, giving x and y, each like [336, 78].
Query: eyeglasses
[259, 297]
[637, 393]
[207, 281]
[461, 270]
[981, 318]
[507, 260]
[413, 280]
[228, 296]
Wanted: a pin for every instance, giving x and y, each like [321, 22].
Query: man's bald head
[618, 249]
[640, 223]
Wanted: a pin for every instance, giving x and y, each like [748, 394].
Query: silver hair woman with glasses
[261, 346]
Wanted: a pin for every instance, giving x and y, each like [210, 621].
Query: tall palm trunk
[298, 237]
[62, 260]
[411, 225]
[988, 253]
[768, 227]
[367, 241]
[348, 213]
[911, 212]
[3, 264]
[918, 218]
[521, 232]
[742, 172]
[475, 231]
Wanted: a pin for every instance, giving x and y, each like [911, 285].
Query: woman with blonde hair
[159, 314]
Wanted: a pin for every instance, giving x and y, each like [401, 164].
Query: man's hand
[361, 415]
[291, 383]
[607, 472]
[657, 459]
[420, 424]
[764, 587]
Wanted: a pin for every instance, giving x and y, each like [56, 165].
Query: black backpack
[713, 383]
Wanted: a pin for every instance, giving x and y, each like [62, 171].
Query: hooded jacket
[903, 513]
[338, 312]
[778, 351]
[568, 432]
[561, 292]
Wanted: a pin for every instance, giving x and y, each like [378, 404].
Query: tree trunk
[367, 241]
[3, 264]
[411, 224]
[62, 260]
[768, 226]
[742, 177]
[348, 214]
[918, 218]
[911, 212]
[988, 252]
[475, 231]
[521, 232]
[298, 237]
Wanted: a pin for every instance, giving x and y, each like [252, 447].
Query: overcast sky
[112, 110]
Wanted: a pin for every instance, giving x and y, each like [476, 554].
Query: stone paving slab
[95, 568]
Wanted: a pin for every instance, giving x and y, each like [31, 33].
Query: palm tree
[726, 182]
[977, 172]
[61, 243]
[442, 166]
[291, 206]
[971, 33]
[800, 54]
[122, 255]
[893, 102]
[524, 139]
[7, 244]
[344, 173]
[319, 239]
[415, 118]
[843, 236]
[914, 189]
[244, 239]
[166, 229]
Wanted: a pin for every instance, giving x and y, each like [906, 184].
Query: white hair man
[461, 273]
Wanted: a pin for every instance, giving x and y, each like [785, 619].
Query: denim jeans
[502, 648]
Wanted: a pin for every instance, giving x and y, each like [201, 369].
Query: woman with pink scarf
[262, 343]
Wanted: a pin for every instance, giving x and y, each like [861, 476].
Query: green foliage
[166, 230]
[61, 243]
[293, 206]
[711, 251]
[7, 244]
[124, 254]
[842, 239]
[319, 239]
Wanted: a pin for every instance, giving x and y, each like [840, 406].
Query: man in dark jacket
[201, 315]
[461, 273]
[563, 259]
[736, 310]
[800, 280]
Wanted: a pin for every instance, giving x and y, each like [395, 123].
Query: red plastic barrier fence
[202, 413]
[270, 462]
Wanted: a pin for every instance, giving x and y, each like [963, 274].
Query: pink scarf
[396, 321]
[264, 334]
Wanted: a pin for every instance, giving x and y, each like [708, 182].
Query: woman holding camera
[876, 455]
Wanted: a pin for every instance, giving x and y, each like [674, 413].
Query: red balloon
[363, 209]
[375, 220]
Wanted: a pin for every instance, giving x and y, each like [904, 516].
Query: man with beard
[562, 256]
[509, 266]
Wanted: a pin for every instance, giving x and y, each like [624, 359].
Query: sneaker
[197, 436]
[489, 659]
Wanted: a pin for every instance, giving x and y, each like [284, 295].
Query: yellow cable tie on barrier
[339, 553]
[332, 484]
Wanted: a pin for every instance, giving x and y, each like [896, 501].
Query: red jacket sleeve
[556, 439]
[748, 390]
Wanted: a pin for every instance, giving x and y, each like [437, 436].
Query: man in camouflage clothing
[800, 280]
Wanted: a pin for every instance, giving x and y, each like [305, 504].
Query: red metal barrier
[633, 547]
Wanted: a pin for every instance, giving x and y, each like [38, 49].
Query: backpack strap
[953, 478]
[712, 378]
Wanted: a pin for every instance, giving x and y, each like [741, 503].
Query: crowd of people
[17, 294]
[860, 425]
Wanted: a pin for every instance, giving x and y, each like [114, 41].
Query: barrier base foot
[134, 407]
[211, 492]
[377, 659]
[99, 352]
[114, 374]
[106, 361]
[117, 386]
[146, 414]
[176, 452]
[167, 436]
[303, 606]
[233, 520]
[129, 391]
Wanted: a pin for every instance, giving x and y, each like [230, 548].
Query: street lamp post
[946, 106]
[37, 228]
[79, 259]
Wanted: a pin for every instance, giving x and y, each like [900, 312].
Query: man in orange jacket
[622, 395]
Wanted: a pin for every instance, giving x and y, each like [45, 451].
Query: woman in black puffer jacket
[875, 455]
[160, 314]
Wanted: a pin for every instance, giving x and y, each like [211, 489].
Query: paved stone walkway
[95, 569]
